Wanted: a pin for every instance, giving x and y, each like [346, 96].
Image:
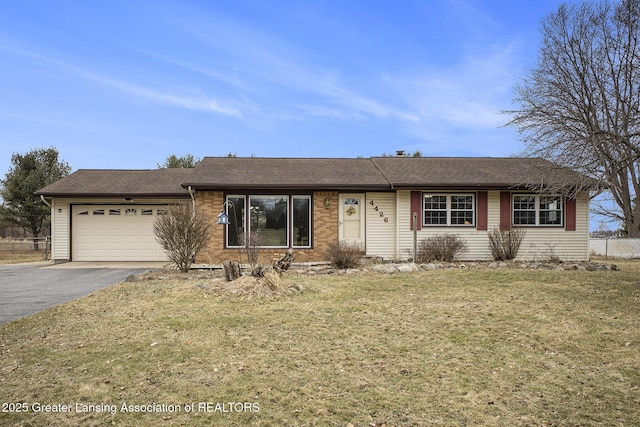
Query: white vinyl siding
[60, 231]
[381, 225]
[539, 242]
[477, 241]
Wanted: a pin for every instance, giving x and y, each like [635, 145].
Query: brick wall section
[210, 202]
[325, 222]
[325, 231]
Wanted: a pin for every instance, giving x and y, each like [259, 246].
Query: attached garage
[108, 215]
[115, 233]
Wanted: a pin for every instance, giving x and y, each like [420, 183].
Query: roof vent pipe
[400, 153]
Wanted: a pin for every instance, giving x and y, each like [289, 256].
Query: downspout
[45, 201]
[193, 196]
[49, 238]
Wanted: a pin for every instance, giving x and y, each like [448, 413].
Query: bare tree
[580, 105]
[182, 232]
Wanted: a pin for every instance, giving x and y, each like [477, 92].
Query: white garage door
[115, 233]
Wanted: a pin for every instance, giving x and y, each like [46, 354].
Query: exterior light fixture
[326, 203]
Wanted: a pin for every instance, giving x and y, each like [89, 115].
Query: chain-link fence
[42, 244]
[617, 248]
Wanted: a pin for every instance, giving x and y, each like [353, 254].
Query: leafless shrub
[182, 232]
[505, 244]
[251, 242]
[344, 254]
[441, 247]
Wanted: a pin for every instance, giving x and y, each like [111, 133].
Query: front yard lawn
[445, 347]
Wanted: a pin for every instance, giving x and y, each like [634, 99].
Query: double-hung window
[270, 221]
[449, 209]
[537, 210]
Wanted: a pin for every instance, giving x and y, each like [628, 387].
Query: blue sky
[123, 84]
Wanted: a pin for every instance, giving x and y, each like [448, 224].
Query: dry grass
[448, 347]
[17, 257]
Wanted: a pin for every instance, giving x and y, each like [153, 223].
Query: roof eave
[136, 195]
[465, 186]
[226, 187]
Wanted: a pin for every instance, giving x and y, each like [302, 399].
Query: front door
[351, 218]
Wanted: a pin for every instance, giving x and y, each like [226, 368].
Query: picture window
[279, 221]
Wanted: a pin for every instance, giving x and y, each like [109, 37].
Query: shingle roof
[377, 173]
[471, 172]
[140, 183]
[286, 173]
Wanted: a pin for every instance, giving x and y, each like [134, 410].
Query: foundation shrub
[344, 254]
[505, 244]
[441, 247]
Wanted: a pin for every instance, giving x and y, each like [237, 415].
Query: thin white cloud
[468, 13]
[199, 68]
[469, 96]
[185, 101]
[189, 102]
[270, 62]
[364, 105]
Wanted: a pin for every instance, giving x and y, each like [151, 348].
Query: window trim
[449, 210]
[228, 210]
[289, 197]
[538, 210]
[309, 225]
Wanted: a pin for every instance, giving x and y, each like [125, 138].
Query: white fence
[620, 248]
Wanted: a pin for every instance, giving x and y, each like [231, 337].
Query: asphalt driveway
[27, 289]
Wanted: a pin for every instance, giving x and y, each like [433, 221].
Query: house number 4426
[380, 213]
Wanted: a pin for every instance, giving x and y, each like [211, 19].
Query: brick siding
[324, 231]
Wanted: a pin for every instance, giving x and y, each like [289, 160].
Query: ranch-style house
[305, 204]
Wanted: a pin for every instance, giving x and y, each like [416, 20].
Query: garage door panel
[97, 253]
[115, 233]
[147, 239]
[130, 239]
